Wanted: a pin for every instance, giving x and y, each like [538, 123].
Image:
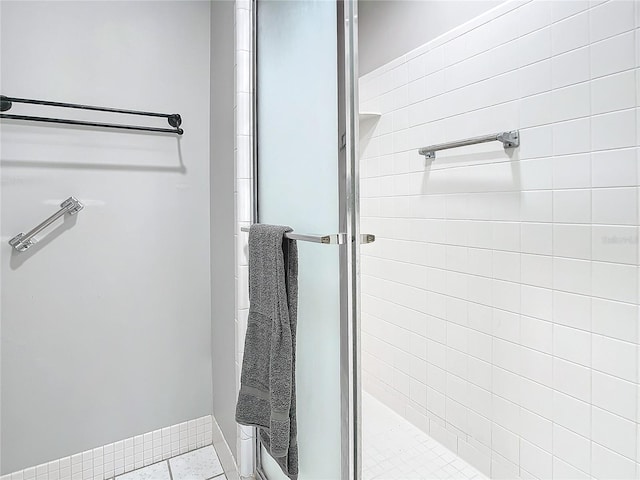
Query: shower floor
[394, 449]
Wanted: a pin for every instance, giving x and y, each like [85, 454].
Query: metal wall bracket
[367, 238]
[23, 241]
[333, 239]
[72, 205]
[5, 104]
[509, 139]
[19, 244]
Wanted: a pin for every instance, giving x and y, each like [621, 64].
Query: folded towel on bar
[267, 398]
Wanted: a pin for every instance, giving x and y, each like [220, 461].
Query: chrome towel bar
[23, 241]
[331, 239]
[509, 140]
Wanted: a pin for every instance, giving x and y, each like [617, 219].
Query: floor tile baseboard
[108, 461]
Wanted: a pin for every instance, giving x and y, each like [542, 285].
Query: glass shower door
[305, 179]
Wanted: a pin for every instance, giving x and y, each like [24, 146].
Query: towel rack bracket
[72, 205]
[5, 103]
[174, 120]
[509, 139]
[367, 238]
[17, 243]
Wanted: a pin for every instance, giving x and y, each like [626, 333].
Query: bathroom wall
[390, 28]
[223, 217]
[500, 299]
[106, 328]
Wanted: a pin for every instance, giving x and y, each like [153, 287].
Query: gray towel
[267, 397]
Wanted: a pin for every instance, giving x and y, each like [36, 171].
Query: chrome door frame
[349, 222]
[349, 179]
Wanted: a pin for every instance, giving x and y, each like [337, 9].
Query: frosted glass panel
[298, 186]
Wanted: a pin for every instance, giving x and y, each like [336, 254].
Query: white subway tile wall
[116, 458]
[500, 299]
[243, 111]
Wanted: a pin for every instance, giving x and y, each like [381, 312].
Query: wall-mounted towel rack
[509, 140]
[331, 239]
[23, 241]
[7, 102]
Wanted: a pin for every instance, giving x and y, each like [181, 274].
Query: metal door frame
[349, 222]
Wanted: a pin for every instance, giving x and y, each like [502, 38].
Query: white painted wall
[500, 299]
[223, 264]
[390, 28]
[106, 329]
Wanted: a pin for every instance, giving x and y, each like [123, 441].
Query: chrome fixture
[331, 239]
[509, 140]
[23, 241]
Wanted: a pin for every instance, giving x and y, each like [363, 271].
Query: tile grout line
[218, 475]
[169, 467]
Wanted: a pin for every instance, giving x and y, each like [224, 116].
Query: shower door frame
[349, 223]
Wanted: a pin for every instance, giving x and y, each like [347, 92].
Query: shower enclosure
[305, 176]
[500, 299]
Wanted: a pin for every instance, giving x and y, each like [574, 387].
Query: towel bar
[23, 241]
[509, 140]
[331, 239]
[172, 118]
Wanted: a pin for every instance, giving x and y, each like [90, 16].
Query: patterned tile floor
[201, 464]
[394, 449]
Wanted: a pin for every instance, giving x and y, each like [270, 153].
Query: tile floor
[201, 464]
[394, 449]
